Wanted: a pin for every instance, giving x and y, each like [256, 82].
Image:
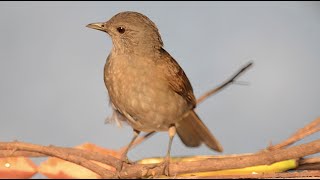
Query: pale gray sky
[51, 71]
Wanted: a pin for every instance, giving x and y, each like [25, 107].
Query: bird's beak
[98, 26]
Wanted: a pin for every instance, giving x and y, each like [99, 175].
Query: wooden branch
[59, 153]
[261, 158]
[18, 153]
[309, 164]
[313, 166]
[310, 160]
[90, 155]
[139, 171]
[309, 129]
[110, 160]
[302, 174]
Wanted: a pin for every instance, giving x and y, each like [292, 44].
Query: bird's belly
[145, 98]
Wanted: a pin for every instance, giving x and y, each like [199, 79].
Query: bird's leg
[165, 163]
[124, 157]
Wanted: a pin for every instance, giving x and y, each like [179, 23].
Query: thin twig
[309, 129]
[225, 84]
[138, 141]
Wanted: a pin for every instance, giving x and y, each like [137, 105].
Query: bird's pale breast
[139, 90]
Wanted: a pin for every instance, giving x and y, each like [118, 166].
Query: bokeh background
[51, 71]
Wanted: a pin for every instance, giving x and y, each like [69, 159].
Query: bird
[147, 87]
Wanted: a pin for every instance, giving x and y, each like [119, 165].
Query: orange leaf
[17, 167]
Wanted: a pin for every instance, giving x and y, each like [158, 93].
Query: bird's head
[130, 31]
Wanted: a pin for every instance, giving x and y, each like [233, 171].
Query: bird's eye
[121, 30]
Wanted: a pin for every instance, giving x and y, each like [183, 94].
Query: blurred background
[51, 71]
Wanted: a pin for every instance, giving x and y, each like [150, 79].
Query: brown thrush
[147, 86]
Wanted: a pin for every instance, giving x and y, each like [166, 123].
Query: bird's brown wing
[177, 79]
[191, 130]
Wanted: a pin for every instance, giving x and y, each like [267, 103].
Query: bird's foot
[164, 165]
[124, 162]
[163, 169]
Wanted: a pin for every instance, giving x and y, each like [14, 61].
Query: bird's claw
[164, 165]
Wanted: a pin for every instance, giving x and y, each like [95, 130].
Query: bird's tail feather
[193, 132]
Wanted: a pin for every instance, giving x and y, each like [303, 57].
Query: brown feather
[192, 132]
[176, 78]
[191, 129]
